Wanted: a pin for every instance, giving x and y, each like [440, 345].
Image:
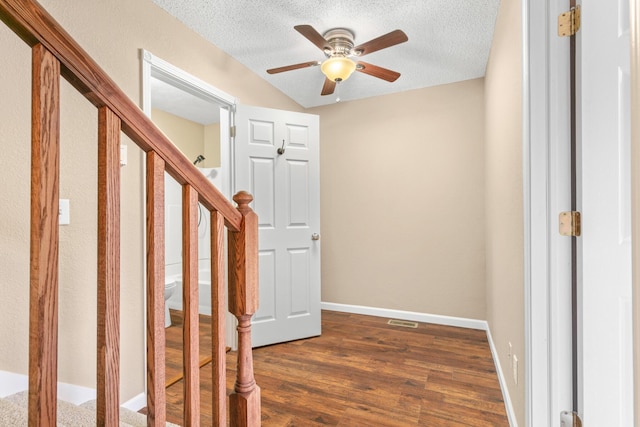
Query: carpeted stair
[13, 412]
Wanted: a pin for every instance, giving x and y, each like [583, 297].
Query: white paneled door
[605, 364]
[276, 158]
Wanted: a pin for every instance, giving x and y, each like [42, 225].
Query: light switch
[123, 155]
[63, 212]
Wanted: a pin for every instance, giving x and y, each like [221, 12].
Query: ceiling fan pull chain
[281, 149]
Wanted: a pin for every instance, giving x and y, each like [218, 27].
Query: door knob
[315, 236]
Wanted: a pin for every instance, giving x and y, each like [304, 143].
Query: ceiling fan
[338, 46]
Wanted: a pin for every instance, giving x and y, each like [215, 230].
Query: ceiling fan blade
[390, 39]
[328, 87]
[313, 36]
[379, 72]
[293, 67]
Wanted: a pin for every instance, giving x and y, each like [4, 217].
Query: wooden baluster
[156, 396]
[244, 402]
[108, 364]
[45, 180]
[218, 313]
[190, 326]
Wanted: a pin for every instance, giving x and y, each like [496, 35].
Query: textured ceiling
[449, 41]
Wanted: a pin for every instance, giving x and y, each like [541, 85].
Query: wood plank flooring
[364, 372]
[173, 353]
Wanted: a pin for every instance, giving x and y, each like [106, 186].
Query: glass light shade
[338, 68]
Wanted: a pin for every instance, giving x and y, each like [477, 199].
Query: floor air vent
[403, 323]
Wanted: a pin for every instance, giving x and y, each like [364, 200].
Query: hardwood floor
[364, 372]
[173, 353]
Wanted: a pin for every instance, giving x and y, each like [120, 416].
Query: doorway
[197, 118]
[168, 88]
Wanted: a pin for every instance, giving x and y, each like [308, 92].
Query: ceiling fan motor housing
[341, 41]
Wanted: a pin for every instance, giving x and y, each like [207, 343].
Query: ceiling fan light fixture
[338, 68]
[339, 47]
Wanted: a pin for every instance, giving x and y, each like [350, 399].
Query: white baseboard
[11, 383]
[513, 422]
[407, 315]
[136, 402]
[75, 394]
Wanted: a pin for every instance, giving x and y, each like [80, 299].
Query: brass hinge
[569, 22]
[570, 419]
[570, 223]
[232, 131]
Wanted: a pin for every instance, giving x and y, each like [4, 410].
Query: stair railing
[55, 54]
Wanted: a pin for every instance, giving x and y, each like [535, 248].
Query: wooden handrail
[56, 54]
[35, 26]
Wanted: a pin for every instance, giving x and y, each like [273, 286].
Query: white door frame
[634, 9]
[545, 126]
[153, 66]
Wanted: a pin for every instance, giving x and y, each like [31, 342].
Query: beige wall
[212, 146]
[188, 136]
[402, 201]
[113, 41]
[504, 206]
[14, 201]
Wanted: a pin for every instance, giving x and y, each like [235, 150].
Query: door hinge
[570, 419]
[232, 131]
[569, 22]
[569, 223]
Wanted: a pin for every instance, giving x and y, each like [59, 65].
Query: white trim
[526, 211]
[75, 394]
[155, 67]
[511, 414]
[136, 403]
[407, 315]
[169, 73]
[11, 383]
[535, 196]
[635, 196]
[546, 180]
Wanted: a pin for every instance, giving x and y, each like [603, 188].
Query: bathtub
[204, 293]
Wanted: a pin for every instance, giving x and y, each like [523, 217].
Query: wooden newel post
[244, 402]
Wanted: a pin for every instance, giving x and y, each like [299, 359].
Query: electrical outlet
[515, 369]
